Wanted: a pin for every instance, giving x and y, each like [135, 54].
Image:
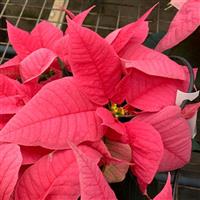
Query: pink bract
[25, 43]
[95, 65]
[49, 124]
[175, 133]
[135, 32]
[36, 63]
[186, 21]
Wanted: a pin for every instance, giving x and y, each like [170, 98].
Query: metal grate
[26, 14]
[107, 16]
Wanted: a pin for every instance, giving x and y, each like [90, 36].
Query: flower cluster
[77, 111]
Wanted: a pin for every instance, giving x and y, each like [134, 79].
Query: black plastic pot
[129, 190]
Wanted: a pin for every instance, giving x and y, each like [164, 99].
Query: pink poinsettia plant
[77, 111]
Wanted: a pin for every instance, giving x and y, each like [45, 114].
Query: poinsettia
[74, 132]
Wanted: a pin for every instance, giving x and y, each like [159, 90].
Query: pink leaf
[166, 193]
[175, 133]
[160, 68]
[58, 112]
[36, 63]
[116, 172]
[53, 177]
[148, 93]
[11, 68]
[10, 162]
[46, 34]
[132, 33]
[152, 63]
[32, 154]
[147, 151]
[184, 24]
[135, 32]
[94, 63]
[21, 40]
[92, 181]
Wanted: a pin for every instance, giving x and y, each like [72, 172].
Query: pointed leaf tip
[148, 12]
[20, 40]
[79, 19]
[130, 34]
[166, 193]
[69, 13]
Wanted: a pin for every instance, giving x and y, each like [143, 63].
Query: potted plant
[80, 112]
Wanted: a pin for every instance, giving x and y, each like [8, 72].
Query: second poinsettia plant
[77, 111]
